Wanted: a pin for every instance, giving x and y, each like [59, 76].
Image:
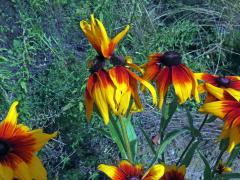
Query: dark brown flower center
[223, 81]
[98, 64]
[220, 169]
[171, 58]
[4, 148]
[117, 60]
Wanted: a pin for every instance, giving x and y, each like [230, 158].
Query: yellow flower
[97, 36]
[126, 170]
[229, 111]
[221, 168]
[174, 173]
[167, 69]
[18, 148]
[219, 87]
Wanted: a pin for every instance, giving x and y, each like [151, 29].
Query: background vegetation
[43, 56]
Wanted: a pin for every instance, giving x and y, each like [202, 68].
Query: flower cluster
[113, 88]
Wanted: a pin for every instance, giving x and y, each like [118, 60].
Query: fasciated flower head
[18, 148]
[229, 111]
[128, 171]
[112, 90]
[167, 69]
[174, 173]
[97, 36]
[219, 87]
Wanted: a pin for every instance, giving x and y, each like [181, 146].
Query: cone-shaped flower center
[222, 81]
[220, 169]
[133, 178]
[171, 58]
[117, 60]
[4, 148]
[98, 64]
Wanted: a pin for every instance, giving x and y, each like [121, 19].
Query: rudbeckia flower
[113, 89]
[97, 36]
[222, 168]
[221, 86]
[18, 148]
[167, 69]
[127, 171]
[229, 111]
[174, 173]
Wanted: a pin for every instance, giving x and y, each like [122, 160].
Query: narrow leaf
[189, 155]
[207, 170]
[149, 141]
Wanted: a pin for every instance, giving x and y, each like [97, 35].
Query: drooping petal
[37, 170]
[215, 91]
[154, 173]
[182, 83]
[100, 101]
[6, 173]
[146, 84]
[163, 80]
[151, 68]
[120, 79]
[123, 105]
[41, 138]
[194, 82]
[234, 138]
[88, 104]
[134, 90]
[112, 172]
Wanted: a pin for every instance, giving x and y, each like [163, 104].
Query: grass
[43, 56]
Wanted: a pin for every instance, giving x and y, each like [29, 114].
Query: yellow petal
[154, 173]
[37, 170]
[215, 108]
[182, 170]
[12, 114]
[112, 172]
[41, 138]
[234, 93]
[22, 171]
[215, 91]
[124, 103]
[6, 172]
[147, 85]
[234, 138]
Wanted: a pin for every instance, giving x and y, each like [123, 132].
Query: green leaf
[189, 155]
[149, 141]
[23, 85]
[167, 140]
[131, 135]
[195, 132]
[211, 119]
[207, 170]
[117, 136]
[167, 113]
[228, 176]
[223, 144]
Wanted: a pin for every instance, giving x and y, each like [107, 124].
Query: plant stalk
[192, 140]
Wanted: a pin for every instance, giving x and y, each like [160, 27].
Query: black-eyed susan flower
[126, 85]
[167, 69]
[229, 111]
[128, 171]
[174, 173]
[97, 36]
[220, 86]
[222, 168]
[112, 90]
[18, 148]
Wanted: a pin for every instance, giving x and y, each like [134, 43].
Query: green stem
[192, 140]
[218, 160]
[126, 140]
